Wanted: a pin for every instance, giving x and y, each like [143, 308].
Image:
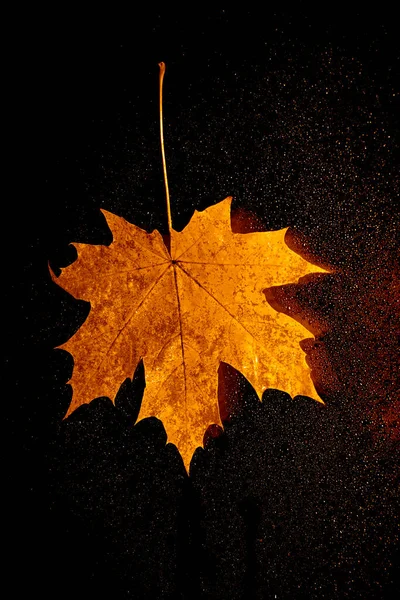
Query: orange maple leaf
[183, 312]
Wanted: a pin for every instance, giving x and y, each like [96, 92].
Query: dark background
[296, 115]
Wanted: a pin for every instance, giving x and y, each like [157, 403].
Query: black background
[295, 114]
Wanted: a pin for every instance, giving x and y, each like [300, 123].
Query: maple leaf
[183, 313]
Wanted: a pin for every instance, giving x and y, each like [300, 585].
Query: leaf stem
[162, 72]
